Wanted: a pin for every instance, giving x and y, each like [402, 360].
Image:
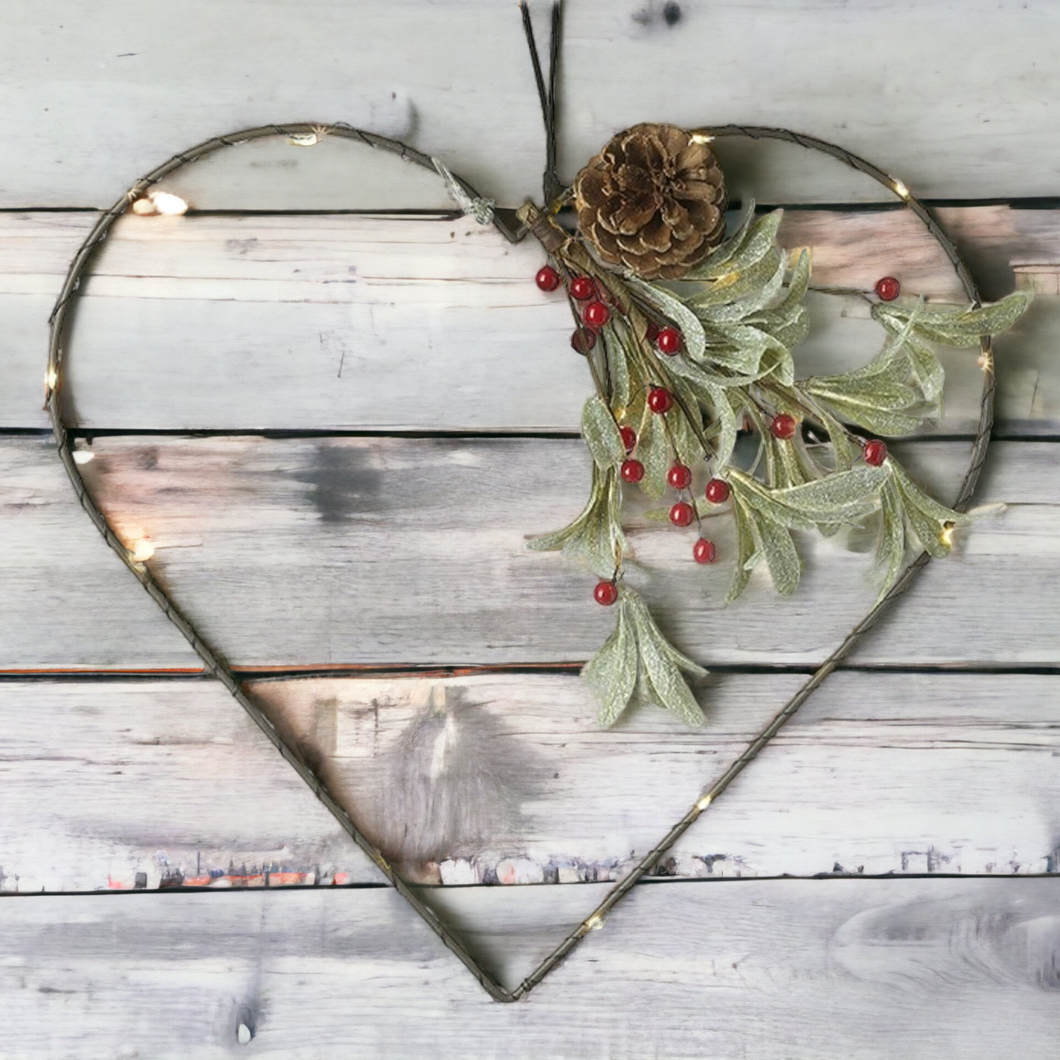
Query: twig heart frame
[504, 220]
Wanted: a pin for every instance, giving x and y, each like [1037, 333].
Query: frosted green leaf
[960, 326]
[653, 451]
[724, 251]
[644, 622]
[780, 555]
[601, 434]
[758, 296]
[612, 671]
[878, 421]
[596, 534]
[686, 441]
[890, 554]
[740, 284]
[726, 419]
[878, 392]
[856, 488]
[662, 672]
[618, 367]
[916, 496]
[756, 244]
[673, 309]
[799, 283]
[745, 549]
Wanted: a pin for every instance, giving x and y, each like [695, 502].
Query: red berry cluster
[595, 314]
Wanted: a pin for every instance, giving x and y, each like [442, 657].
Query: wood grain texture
[506, 779]
[321, 552]
[952, 102]
[339, 321]
[780, 970]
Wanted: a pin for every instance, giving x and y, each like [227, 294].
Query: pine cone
[652, 200]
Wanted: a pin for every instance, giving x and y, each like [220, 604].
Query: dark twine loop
[217, 666]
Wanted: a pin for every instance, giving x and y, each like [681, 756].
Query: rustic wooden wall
[339, 429]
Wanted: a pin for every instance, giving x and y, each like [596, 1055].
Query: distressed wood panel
[321, 552]
[506, 779]
[780, 970]
[131, 785]
[320, 322]
[953, 102]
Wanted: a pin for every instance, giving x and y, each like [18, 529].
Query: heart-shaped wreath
[688, 335]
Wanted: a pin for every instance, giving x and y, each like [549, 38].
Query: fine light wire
[217, 666]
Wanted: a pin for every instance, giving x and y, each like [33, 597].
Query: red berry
[629, 438]
[605, 593]
[679, 476]
[582, 288]
[583, 340]
[596, 314]
[717, 491]
[704, 551]
[783, 426]
[670, 341]
[888, 288]
[875, 452]
[632, 470]
[681, 514]
[547, 278]
[660, 399]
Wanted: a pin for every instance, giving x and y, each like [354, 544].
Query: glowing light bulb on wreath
[84, 456]
[141, 551]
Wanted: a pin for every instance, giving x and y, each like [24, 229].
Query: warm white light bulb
[84, 456]
[946, 535]
[51, 378]
[144, 207]
[168, 204]
[594, 922]
[900, 189]
[702, 138]
[142, 551]
[704, 802]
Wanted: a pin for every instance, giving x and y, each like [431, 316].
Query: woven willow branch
[217, 666]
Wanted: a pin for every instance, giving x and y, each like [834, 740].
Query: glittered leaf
[779, 551]
[748, 282]
[724, 252]
[961, 326]
[745, 549]
[674, 310]
[601, 434]
[754, 245]
[653, 451]
[612, 671]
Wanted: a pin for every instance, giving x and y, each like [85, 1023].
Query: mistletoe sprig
[682, 366]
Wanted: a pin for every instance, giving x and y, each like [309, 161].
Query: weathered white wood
[507, 779]
[131, 784]
[341, 321]
[778, 970]
[951, 101]
[321, 552]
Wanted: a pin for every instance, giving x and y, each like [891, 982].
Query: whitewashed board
[352, 322]
[313, 553]
[506, 779]
[774, 970]
[953, 101]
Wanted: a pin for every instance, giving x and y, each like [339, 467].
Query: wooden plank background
[338, 431]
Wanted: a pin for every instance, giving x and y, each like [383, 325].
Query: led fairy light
[139, 548]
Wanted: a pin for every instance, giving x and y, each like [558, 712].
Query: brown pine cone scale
[653, 200]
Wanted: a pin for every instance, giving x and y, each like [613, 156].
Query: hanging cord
[551, 185]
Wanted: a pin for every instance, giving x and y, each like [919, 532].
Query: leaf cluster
[638, 664]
